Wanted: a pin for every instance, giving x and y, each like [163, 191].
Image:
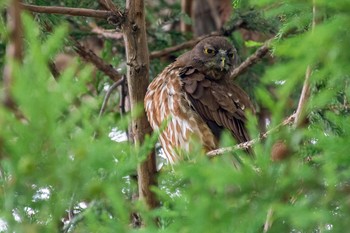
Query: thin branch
[68, 11]
[250, 143]
[108, 94]
[191, 43]
[99, 63]
[109, 34]
[268, 221]
[185, 45]
[305, 93]
[259, 53]
[110, 5]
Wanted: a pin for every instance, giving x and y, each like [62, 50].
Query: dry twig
[185, 45]
[259, 53]
[191, 43]
[305, 93]
[108, 94]
[90, 56]
[68, 11]
[109, 34]
[250, 143]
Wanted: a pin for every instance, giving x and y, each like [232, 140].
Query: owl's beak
[222, 63]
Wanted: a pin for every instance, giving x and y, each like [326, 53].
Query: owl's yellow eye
[209, 51]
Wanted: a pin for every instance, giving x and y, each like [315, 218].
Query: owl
[194, 100]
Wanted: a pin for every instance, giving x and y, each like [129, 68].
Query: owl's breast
[167, 104]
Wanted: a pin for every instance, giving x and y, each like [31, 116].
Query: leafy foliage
[59, 166]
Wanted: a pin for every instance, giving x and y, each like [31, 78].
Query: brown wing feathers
[221, 106]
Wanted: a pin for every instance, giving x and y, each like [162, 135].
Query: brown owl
[197, 100]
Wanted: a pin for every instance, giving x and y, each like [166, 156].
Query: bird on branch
[196, 98]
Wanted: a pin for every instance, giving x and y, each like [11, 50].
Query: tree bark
[137, 56]
[14, 51]
[186, 7]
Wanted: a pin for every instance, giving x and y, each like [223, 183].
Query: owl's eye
[231, 54]
[209, 51]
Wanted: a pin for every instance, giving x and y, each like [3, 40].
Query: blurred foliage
[61, 170]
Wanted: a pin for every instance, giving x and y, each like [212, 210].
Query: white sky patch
[118, 135]
[314, 141]
[42, 194]
[29, 211]
[280, 82]
[16, 215]
[3, 225]
[82, 205]
[106, 86]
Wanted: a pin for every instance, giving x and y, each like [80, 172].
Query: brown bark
[186, 8]
[13, 53]
[68, 11]
[210, 15]
[137, 55]
[99, 63]
[259, 53]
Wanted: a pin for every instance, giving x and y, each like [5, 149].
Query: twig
[305, 93]
[99, 63]
[250, 143]
[191, 43]
[110, 5]
[185, 45]
[68, 11]
[109, 34]
[75, 219]
[268, 221]
[108, 94]
[259, 53]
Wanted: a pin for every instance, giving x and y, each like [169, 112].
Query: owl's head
[215, 56]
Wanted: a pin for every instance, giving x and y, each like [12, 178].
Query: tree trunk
[186, 7]
[137, 76]
[14, 53]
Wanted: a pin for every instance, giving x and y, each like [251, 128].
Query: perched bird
[196, 99]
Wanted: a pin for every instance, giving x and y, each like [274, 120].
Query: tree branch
[191, 43]
[250, 143]
[68, 11]
[259, 53]
[137, 55]
[108, 94]
[185, 45]
[99, 63]
[305, 93]
[14, 51]
[109, 34]
[110, 5]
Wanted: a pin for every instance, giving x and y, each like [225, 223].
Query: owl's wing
[220, 106]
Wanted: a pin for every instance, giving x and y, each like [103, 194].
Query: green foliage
[61, 162]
